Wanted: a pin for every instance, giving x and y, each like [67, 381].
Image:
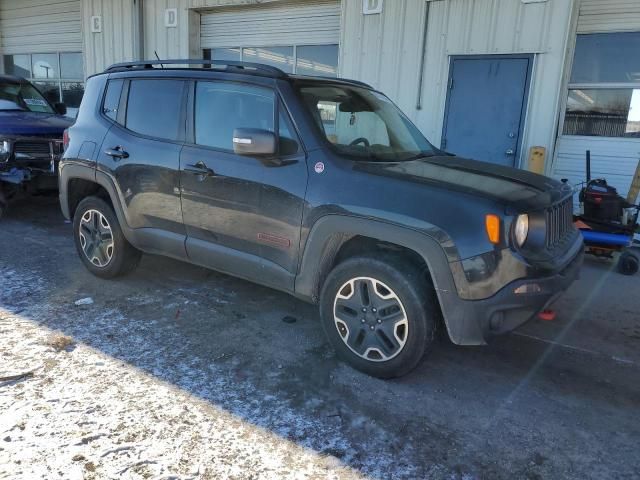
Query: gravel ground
[179, 372]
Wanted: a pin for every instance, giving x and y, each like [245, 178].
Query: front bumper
[473, 322]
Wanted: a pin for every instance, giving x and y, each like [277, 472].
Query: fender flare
[71, 171]
[330, 232]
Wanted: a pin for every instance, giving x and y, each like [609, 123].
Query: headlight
[5, 150]
[521, 230]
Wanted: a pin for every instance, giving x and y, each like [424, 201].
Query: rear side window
[154, 107]
[112, 98]
[222, 107]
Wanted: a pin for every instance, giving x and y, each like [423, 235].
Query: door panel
[485, 107]
[250, 207]
[141, 151]
[148, 179]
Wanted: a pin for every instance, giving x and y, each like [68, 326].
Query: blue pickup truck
[31, 143]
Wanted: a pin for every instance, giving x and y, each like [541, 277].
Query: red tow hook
[547, 315]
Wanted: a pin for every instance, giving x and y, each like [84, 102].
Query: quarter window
[222, 107]
[604, 90]
[112, 99]
[154, 107]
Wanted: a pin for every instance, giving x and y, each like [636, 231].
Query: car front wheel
[379, 315]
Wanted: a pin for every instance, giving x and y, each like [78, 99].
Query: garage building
[489, 79]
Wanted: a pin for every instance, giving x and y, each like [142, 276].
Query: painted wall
[385, 50]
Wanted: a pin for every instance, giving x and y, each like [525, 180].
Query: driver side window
[346, 127]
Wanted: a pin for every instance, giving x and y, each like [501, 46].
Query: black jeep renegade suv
[318, 187]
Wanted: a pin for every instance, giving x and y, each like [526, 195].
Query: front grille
[559, 219]
[32, 149]
[37, 149]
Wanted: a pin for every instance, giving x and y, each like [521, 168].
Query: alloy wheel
[370, 319]
[96, 238]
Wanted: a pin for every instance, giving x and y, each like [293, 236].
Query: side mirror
[60, 108]
[254, 141]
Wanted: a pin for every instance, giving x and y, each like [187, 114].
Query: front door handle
[510, 152]
[117, 152]
[200, 168]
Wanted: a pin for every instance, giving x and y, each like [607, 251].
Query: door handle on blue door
[200, 168]
[117, 152]
[510, 152]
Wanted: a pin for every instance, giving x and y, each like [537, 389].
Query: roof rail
[238, 67]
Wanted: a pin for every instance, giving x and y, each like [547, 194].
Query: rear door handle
[200, 168]
[117, 152]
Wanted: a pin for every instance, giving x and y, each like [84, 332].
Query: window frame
[278, 101]
[123, 106]
[60, 79]
[591, 86]
[295, 47]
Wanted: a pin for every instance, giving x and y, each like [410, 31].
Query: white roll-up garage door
[608, 16]
[297, 37]
[277, 23]
[41, 26]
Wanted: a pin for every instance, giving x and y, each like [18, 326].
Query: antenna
[156, 54]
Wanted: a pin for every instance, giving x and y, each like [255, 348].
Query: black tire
[628, 263]
[124, 257]
[416, 296]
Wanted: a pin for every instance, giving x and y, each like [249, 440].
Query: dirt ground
[179, 372]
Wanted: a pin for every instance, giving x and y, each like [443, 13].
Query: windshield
[364, 124]
[22, 96]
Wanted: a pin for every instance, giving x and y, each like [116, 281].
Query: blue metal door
[485, 107]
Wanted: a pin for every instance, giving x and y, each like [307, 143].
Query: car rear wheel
[100, 242]
[379, 315]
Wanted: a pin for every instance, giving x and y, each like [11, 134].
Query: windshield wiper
[418, 156]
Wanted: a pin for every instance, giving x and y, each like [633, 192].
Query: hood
[32, 123]
[517, 189]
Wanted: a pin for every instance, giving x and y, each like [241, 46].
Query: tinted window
[222, 107]
[112, 99]
[606, 58]
[280, 57]
[604, 91]
[317, 60]
[154, 107]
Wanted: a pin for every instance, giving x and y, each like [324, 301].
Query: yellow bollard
[536, 159]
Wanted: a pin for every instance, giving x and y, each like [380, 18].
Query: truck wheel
[100, 242]
[379, 315]
[628, 264]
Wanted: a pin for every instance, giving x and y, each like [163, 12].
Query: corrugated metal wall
[168, 42]
[40, 26]
[612, 158]
[385, 50]
[117, 42]
[286, 23]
